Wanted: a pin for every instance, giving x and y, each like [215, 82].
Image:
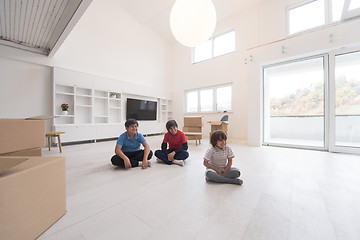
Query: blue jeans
[182, 155]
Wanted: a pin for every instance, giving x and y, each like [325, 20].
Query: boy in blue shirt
[127, 149]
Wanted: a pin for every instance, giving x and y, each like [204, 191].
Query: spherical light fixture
[192, 22]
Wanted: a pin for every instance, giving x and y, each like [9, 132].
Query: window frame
[199, 101]
[186, 100]
[303, 3]
[214, 105]
[328, 5]
[211, 39]
[347, 14]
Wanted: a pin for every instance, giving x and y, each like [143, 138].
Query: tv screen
[141, 109]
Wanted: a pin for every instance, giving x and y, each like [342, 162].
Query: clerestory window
[310, 14]
[216, 46]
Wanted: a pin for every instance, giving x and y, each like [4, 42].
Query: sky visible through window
[288, 78]
[306, 16]
[315, 13]
[337, 7]
[206, 100]
[209, 99]
[192, 101]
[215, 46]
[354, 4]
[224, 43]
[223, 96]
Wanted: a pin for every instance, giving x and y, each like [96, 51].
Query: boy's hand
[218, 171]
[127, 163]
[144, 164]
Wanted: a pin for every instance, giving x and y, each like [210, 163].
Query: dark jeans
[182, 155]
[134, 158]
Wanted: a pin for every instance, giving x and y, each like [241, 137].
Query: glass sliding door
[294, 103]
[347, 101]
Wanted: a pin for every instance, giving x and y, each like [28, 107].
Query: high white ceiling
[156, 13]
[42, 25]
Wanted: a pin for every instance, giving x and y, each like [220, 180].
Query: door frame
[332, 102]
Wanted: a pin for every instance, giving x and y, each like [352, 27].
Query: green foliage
[310, 101]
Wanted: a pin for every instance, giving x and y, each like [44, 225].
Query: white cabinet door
[76, 133]
[109, 131]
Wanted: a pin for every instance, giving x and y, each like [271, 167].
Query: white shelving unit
[64, 94]
[166, 112]
[170, 110]
[101, 105]
[114, 107]
[93, 114]
[97, 106]
[83, 105]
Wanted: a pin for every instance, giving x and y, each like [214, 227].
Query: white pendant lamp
[192, 22]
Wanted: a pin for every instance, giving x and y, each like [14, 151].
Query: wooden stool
[197, 136]
[49, 135]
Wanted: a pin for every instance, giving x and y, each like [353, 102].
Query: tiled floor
[287, 194]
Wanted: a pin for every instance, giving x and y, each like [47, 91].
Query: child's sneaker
[179, 162]
[148, 163]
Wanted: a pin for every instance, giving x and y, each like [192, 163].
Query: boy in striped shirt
[218, 161]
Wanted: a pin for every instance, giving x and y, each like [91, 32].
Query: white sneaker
[148, 163]
[178, 162]
[158, 160]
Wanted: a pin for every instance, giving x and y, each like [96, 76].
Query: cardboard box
[193, 121]
[33, 195]
[34, 152]
[21, 134]
[218, 126]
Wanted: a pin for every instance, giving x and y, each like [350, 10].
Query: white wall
[25, 89]
[106, 42]
[230, 68]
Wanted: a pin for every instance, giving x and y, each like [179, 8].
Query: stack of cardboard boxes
[33, 188]
[20, 137]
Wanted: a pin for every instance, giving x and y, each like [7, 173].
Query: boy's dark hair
[170, 124]
[131, 121]
[216, 136]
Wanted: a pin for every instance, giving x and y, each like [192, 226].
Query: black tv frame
[141, 110]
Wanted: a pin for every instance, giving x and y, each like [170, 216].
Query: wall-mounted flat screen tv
[141, 109]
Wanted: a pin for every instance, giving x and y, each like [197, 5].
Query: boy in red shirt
[178, 146]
